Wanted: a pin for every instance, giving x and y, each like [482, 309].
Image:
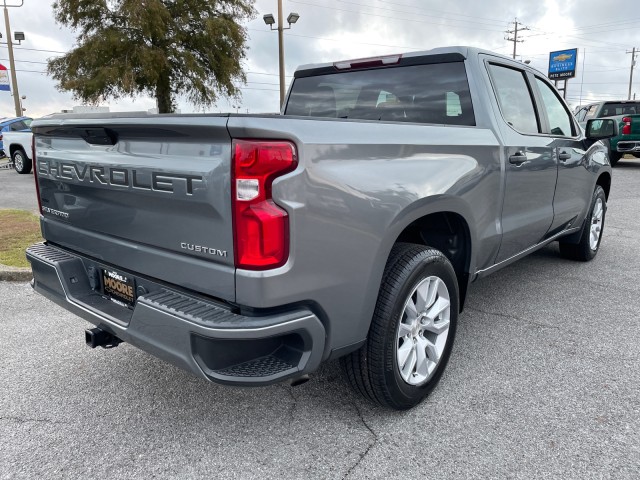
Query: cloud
[330, 30]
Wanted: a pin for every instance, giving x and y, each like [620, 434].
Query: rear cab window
[436, 93]
[614, 109]
[514, 99]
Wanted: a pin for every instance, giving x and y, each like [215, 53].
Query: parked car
[18, 146]
[627, 114]
[248, 249]
[12, 125]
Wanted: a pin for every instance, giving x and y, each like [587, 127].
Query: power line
[30, 71]
[36, 50]
[429, 15]
[264, 89]
[340, 41]
[29, 61]
[262, 83]
[598, 43]
[388, 16]
[265, 73]
[446, 13]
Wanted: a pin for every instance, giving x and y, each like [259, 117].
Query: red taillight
[626, 128]
[261, 228]
[35, 171]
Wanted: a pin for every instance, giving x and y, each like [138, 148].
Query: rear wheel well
[604, 181]
[13, 148]
[449, 233]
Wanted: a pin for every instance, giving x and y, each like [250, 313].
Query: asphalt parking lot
[16, 191]
[543, 382]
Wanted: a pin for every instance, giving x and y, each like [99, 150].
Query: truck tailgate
[145, 194]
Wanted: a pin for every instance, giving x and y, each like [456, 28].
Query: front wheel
[412, 330]
[614, 158]
[614, 155]
[21, 163]
[592, 229]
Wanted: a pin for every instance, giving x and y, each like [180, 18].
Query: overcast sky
[330, 30]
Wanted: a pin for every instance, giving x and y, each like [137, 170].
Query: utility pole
[515, 35]
[633, 64]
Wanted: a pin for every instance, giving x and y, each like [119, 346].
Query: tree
[157, 47]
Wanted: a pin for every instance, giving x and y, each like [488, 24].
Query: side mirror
[600, 128]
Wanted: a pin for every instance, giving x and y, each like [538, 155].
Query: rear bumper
[196, 334]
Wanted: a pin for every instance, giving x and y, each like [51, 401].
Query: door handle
[517, 159]
[564, 156]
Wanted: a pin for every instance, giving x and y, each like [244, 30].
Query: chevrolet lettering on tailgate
[117, 177]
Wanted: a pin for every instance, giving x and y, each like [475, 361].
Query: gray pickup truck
[248, 249]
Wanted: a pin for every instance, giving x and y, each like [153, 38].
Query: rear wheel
[592, 230]
[412, 330]
[21, 163]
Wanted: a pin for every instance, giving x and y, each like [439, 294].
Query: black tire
[21, 163]
[585, 249]
[614, 157]
[374, 369]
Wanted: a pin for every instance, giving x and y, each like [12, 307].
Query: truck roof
[463, 51]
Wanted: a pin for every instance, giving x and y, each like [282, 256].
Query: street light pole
[281, 51]
[270, 20]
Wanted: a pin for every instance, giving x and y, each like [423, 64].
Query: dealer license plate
[119, 287]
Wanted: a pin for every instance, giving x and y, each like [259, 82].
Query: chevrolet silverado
[248, 249]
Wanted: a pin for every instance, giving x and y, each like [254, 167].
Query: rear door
[531, 162]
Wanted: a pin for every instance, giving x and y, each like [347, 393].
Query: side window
[514, 99]
[16, 126]
[559, 118]
[580, 114]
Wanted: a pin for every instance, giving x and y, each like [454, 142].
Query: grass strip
[18, 230]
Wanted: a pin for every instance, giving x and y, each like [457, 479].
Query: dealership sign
[562, 64]
[4, 78]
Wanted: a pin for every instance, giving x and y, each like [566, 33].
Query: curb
[13, 274]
